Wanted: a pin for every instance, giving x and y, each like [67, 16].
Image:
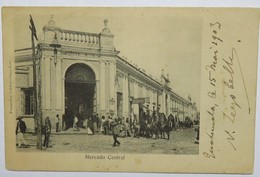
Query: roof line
[17, 50]
[139, 70]
[151, 78]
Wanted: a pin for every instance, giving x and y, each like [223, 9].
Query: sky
[154, 41]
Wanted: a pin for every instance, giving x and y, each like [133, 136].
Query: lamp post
[55, 44]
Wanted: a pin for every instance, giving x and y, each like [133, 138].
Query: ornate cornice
[75, 50]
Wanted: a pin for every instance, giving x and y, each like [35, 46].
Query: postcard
[169, 90]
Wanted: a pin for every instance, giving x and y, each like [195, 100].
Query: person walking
[127, 128]
[75, 126]
[116, 131]
[110, 120]
[20, 130]
[102, 129]
[57, 122]
[94, 121]
[47, 133]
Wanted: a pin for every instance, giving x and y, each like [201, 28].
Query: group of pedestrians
[46, 131]
[93, 125]
[123, 124]
[126, 126]
[116, 126]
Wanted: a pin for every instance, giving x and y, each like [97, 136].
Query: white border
[123, 3]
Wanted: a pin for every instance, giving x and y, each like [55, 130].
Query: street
[182, 141]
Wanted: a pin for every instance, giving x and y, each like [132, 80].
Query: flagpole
[37, 117]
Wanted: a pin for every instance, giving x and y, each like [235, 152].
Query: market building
[87, 76]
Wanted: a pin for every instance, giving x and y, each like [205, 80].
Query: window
[29, 102]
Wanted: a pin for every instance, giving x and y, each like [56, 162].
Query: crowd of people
[146, 126]
[118, 127]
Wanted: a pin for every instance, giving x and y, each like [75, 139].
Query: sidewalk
[71, 131]
[181, 142]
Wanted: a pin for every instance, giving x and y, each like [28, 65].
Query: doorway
[80, 93]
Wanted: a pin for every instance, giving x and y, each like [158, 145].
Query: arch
[80, 93]
[80, 73]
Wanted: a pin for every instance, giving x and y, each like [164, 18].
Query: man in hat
[20, 130]
[116, 131]
[47, 134]
[57, 122]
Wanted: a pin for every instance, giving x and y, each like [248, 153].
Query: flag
[32, 27]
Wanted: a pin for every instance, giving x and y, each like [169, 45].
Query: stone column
[124, 94]
[58, 85]
[42, 86]
[135, 106]
[47, 83]
[126, 97]
[52, 85]
[168, 105]
[43, 83]
[151, 98]
[62, 89]
[163, 110]
[98, 96]
[102, 89]
[115, 93]
[112, 96]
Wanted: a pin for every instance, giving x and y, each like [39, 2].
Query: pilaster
[58, 85]
[47, 83]
[102, 89]
[112, 96]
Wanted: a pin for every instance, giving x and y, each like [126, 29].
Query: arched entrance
[80, 93]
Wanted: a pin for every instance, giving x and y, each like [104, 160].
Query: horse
[146, 129]
[161, 117]
[142, 130]
[188, 123]
[136, 130]
[165, 128]
[150, 129]
[156, 129]
[107, 127]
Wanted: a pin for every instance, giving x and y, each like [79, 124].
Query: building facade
[87, 76]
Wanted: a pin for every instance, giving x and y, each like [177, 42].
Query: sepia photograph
[107, 84]
[109, 89]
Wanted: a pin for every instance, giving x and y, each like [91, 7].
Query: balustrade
[79, 37]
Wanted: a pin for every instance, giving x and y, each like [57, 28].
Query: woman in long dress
[89, 127]
[102, 124]
[94, 124]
